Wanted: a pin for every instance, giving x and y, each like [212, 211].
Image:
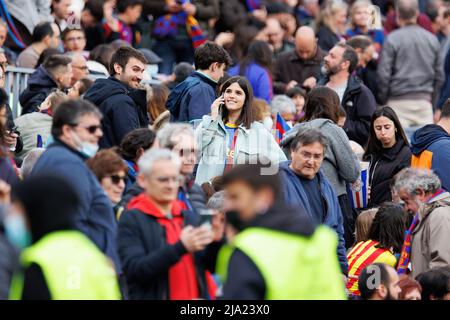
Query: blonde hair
[357, 5]
[363, 223]
[326, 15]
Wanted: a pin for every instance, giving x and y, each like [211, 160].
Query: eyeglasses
[80, 67]
[308, 155]
[187, 152]
[115, 179]
[176, 179]
[75, 39]
[91, 129]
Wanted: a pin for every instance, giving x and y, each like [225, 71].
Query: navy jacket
[95, 215]
[436, 140]
[192, 98]
[40, 85]
[295, 197]
[124, 109]
[359, 104]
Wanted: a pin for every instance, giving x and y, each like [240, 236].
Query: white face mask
[87, 148]
[268, 123]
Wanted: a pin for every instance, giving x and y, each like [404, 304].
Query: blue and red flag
[281, 128]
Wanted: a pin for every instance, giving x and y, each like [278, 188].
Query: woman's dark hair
[47, 53]
[322, 102]
[133, 141]
[374, 145]
[244, 34]
[435, 283]
[102, 54]
[157, 103]
[297, 91]
[388, 227]
[246, 116]
[258, 52]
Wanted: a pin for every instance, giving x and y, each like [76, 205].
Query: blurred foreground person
[61, 263]
[274, 253]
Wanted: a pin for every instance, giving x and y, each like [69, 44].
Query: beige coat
[431, 237]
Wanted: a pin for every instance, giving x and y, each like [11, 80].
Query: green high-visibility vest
[73, 268]
[293, 267]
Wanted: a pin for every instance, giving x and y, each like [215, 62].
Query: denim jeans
[173, 51]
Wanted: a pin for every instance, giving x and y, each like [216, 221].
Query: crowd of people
[225, 149]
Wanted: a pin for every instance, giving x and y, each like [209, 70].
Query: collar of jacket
[60, 143]
[316, 59]
[205, 78]
[442, 200]
[391, 153]
[146, 205]
[353, 84]
[139, 96]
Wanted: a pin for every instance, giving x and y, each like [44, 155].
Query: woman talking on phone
[230, 136]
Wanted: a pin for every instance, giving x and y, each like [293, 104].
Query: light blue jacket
[251, 144]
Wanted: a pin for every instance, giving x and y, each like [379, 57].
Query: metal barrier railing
[16, 80]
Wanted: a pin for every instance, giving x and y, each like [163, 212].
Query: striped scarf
[166, 26]
[405, 256]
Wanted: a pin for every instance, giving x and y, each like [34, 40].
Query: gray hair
[407, 10]
[282, 104]
[412, 180]
[217, 201]
[167, 134]
[148, 159]
[307, 136]
[29, 161]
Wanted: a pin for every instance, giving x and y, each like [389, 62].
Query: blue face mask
[16, 231]
[89, 149]
[86, 148]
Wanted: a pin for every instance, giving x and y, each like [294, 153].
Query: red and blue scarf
[166, 26]
[405, 256]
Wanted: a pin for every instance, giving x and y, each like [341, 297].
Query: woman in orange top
[385, 241]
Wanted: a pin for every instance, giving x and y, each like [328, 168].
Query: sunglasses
[116, 179]
[91, 129]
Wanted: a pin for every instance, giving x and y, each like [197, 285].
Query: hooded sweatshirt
[430, 147]
[124, 109]
[40, 84]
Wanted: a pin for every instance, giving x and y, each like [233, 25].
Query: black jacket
[383, 167]
[124, 109]
[40, 85]
[359, 104]
[140, 234]
[368, 76]
[244, 280]
[326, 38]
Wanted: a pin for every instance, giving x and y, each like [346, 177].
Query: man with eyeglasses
[76, 129]
[179, 138]
[119, 98]
[74, 39]
[79, 67]
[161, 247]
[306, 187]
